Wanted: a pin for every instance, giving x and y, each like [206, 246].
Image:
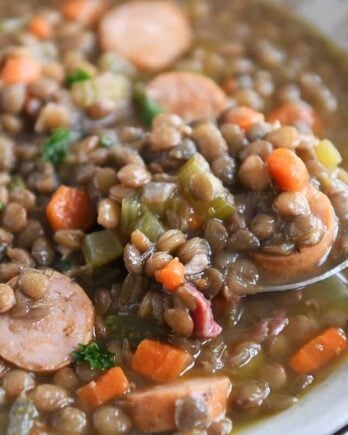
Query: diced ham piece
[203, 318]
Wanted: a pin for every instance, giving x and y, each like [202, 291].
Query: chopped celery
[156, 195]
[133, 328]
[22, 416]
[114, 63]
[195, 165]
[220, 208]
[101, 248]
[16, 183]
[328, 155]
[105, 87]
[130, 213]
[151, 226]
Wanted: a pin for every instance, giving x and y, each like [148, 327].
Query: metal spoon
[310, 281]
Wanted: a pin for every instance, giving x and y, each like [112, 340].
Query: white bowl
[324, 410]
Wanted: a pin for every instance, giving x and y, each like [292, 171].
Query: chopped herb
[56, 146]
[64, 265]
[79, 75]
[148, 109]
[97, 357]
[106, 141]
[16, 183]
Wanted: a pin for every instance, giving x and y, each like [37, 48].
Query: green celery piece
[133, 328]
[195, 165]
[148, 108]
[156, 196]
[221, 207]
[151, 226]
[130, 213]
[106, 141]
[22, 416]
[16, 183]
[79, 75]
[101, 248]
[56, 146]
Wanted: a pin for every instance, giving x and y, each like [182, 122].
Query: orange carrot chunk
[40, 27]
[288, 170]
[110, 385]
[319, 351]
[159, 362]
[172, 275]
[296, 114]
[20, 69]
[243, 116]
[86, 11]
[69, 209]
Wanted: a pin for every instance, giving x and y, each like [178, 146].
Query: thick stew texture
[161, 164]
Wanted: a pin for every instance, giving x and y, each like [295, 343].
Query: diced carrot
[296, 114]
[87, 11]
[70, 208]
[319, 351]
[160, 362]
[20, 69]
[40, 27]
[243, 116]
[172, 275]
[110, 385]
[288, 170]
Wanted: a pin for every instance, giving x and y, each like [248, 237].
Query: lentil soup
[160, 162]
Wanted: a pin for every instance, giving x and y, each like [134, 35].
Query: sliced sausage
[303, 263]
[43, 338]
[150, 34]
[154, 409]
[189, 95]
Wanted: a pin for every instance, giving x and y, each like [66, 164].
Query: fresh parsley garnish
[148, 109]
[106, 141]
[56, 146]
[79, 75]
[97, 357]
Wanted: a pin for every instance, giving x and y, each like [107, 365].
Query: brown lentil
[15, 217]
[16, 382]
[70, 421]
[157, 261]
[180, 321]
[170, 241]
[34, 284]
[108, 213]
[140, 241]
[134, 175]
[50, 398]
[109, 420]
[253, 174]
[7, 298]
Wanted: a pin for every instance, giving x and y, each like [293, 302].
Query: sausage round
[153, 409]
[150, 34]
[302, 263]
[44, 342]
[189, 95]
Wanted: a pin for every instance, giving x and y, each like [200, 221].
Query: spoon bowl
[307, 282]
